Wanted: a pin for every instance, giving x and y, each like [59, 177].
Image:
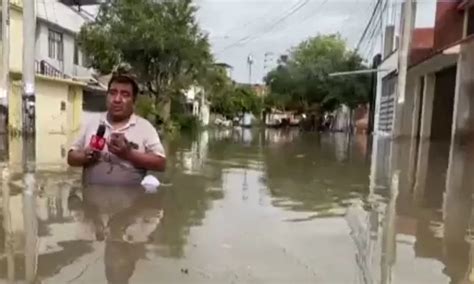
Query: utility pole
[29, 38]
[403, 54]
[250, 63]
[5, 81]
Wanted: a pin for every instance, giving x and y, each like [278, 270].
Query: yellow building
[58, 101]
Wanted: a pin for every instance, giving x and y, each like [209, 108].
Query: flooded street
[245, 206]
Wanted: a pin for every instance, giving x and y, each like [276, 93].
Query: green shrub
[146, 108]
[187, 122]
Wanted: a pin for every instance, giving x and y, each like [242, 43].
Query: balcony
[18, 3]
[44, 68]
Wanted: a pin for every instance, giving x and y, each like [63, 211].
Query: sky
[239, 28]
[230, 23]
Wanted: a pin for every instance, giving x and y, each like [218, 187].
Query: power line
[262, 18]
[369, 24]
[373, 31]
[376, 30]
[295, 8]
[310, 15]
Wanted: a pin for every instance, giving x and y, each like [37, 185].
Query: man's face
[120, 100]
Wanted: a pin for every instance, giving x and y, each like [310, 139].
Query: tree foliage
[236, 100]
[161, 41]
[302, 77]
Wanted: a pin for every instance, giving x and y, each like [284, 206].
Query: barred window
[55, 45]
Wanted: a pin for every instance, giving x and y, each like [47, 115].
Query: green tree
[302, 77]
[161, 41]
[235, 100]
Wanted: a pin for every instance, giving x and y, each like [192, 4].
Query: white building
[199, 106]
[387, 77]
[57, 51]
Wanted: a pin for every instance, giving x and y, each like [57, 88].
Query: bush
[145, 107]
[180, 120]
[187, 122]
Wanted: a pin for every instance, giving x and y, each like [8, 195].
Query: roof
[224, 65]
[60, 15]
[449, 51]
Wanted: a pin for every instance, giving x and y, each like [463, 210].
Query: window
[55, 45]
[63, 106]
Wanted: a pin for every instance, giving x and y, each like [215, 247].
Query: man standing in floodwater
[133, 145]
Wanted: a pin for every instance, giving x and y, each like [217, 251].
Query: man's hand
[118, 145]
[91, 156]
[82, 158]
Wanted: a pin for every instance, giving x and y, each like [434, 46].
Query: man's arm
[148, 161]
[78, 156]
[154, 157]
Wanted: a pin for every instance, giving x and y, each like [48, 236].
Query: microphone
[97, 142]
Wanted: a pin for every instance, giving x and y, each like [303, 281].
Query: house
[439, 100]
[433, 150]
[61, 77]
[432, 69]
[198, 104]
[225, 68]
[259, 89]
[57, 50]
[59, 66]
[388, 76]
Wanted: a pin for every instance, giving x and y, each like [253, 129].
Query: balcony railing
[44, 68]
[18, 3]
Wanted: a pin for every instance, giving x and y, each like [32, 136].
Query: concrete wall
[50, 95]
[16, 40]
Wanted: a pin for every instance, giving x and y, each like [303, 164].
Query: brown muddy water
[244, 206]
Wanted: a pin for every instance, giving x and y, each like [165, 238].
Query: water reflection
[247, 206]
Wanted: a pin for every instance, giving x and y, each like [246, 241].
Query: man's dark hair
[124, 79]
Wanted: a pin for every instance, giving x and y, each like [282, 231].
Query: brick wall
[449, 23]
[421, 45]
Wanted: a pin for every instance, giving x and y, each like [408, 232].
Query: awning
[80, 2]
[441, 59]
[93, 86]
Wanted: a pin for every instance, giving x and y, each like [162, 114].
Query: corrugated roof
[59, 14]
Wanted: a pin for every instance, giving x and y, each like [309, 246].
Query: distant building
[226, 67]
[198, 104]
[260, 90]
[61, 77]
